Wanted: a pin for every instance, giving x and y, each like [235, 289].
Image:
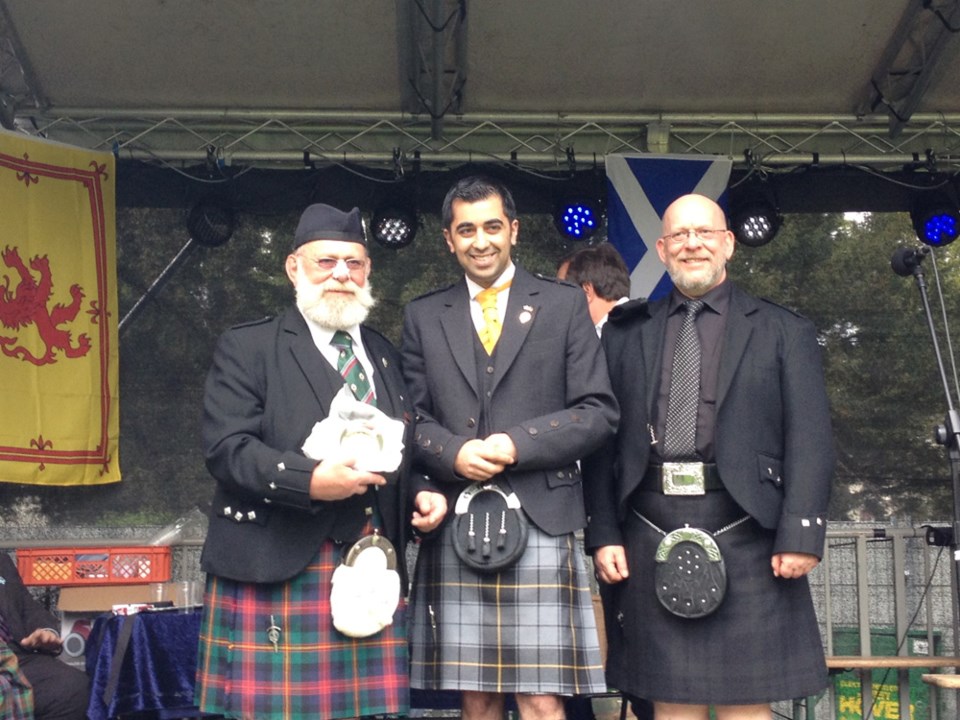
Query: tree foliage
[167, 344]
[882, 378]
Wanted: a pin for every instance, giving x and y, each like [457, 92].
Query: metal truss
[401, 141]
[430, 132]
[910, 61]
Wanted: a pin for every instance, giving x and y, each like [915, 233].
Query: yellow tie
[490, 332]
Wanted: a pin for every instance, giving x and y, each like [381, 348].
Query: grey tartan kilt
[762, 645]
[528, 629]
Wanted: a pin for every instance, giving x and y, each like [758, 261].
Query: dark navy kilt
[315, 672]
[762, 645]
[528, 629]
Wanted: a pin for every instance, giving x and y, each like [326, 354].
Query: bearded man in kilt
[281, 521]
[708, 508]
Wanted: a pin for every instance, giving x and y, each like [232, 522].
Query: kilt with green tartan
[16, 695]
[527, 629]
[314, 671]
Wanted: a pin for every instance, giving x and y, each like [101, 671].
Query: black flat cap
[323, 222]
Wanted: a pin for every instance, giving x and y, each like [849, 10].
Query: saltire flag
[60, 422]
[639, 189]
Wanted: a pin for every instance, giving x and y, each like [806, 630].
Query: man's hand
[42, 639]
[336, 479]
[431, 508]
[793, 565]
[502, 443]
[480, 460]
[610, 562]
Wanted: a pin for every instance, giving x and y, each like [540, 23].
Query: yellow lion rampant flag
[60, 423]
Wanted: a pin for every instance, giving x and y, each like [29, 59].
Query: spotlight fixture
[210, 223]
[936, 219]
[577, 218]
[756, 222]
[394, 227]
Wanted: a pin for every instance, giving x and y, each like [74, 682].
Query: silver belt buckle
[683, 478]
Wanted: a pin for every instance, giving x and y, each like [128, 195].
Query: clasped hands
[481, 459]
[336, 478]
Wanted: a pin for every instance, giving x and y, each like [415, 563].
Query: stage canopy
[838, 105]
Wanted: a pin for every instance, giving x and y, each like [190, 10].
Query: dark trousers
[580, 707]
[60, 692]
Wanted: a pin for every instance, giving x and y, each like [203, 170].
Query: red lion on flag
[28, 303]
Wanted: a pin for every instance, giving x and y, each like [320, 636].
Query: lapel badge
[384, 361]
[526, 315]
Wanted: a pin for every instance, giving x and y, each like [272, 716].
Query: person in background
[281, 521]
[515, 394]
[708, 509]
[28, 631]
[602, 274]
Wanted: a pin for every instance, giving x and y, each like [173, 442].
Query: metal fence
[881, 590]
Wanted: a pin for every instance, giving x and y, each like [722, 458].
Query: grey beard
[694, 289]
[336, 313]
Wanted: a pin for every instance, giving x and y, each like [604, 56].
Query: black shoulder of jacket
[435, 291]
[252, 323]
[628, 311]
[554, 280]
[778, 306]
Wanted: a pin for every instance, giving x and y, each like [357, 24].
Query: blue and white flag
[639, 189]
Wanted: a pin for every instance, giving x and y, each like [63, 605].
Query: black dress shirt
[710, 324]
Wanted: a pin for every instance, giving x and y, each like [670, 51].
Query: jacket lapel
[385, 379]
[458, 330]
[651, 338]
[522, 309]
[323, 379]
[738, 331]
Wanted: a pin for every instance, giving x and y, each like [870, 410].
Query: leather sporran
[690, 576]
[490, 528]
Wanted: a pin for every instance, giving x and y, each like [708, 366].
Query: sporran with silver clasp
[490, 528]
[690, 577]
[365, 588]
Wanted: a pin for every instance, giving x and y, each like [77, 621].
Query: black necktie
[679, 437]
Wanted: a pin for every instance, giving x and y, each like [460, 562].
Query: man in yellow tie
[515, 395]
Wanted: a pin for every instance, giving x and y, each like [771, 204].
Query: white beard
[333, 311]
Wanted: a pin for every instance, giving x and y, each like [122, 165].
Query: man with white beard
[282, 522]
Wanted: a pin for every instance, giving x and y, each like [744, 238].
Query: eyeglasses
[676, 238]
[329, 264]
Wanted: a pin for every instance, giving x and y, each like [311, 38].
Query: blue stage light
[577, 219]
[936, 219]
[940, 229]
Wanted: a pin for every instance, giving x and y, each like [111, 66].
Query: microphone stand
[947, 434]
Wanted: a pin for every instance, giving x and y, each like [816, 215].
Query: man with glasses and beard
[708, 509]
[281, 521]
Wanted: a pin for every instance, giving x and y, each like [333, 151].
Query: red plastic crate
[94, 565]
